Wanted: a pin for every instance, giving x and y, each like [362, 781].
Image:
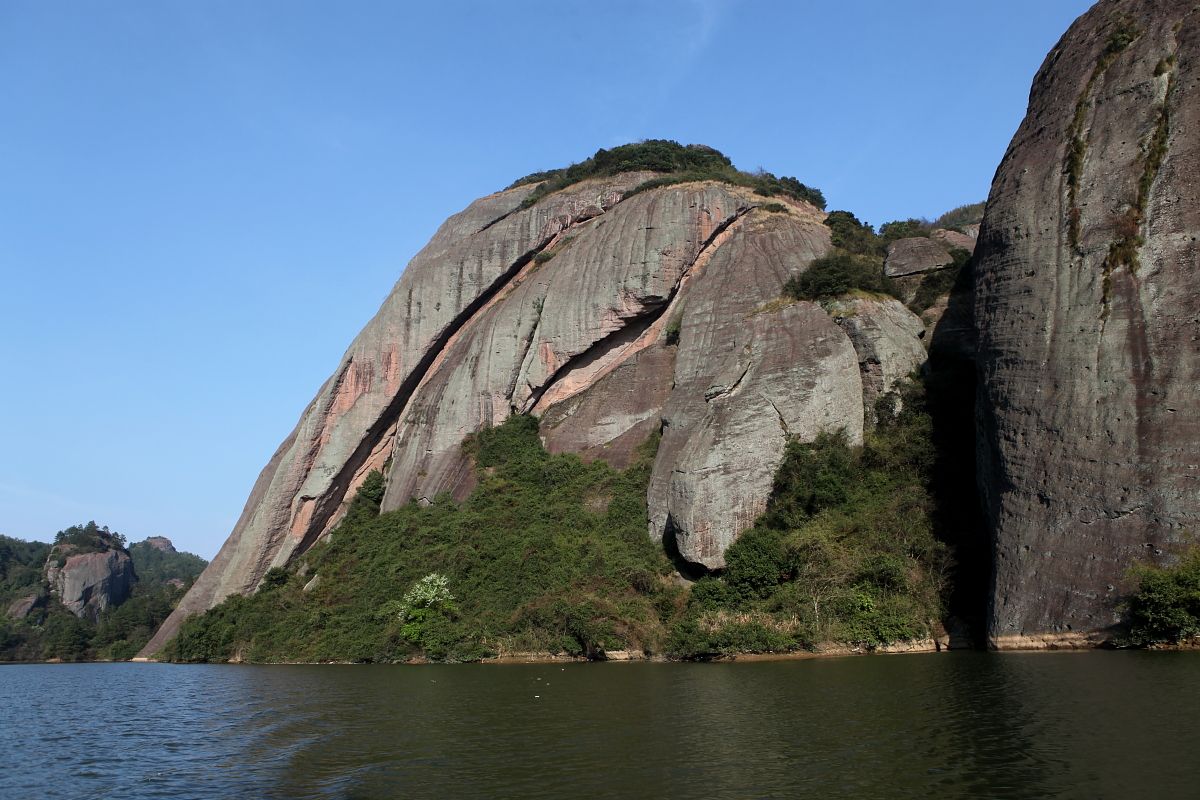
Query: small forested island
[88, 596]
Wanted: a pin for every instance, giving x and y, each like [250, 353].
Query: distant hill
[87, 596]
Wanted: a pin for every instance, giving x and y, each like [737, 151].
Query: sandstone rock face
[915, 255]
[609, 315]
[887, 339]
[88, 583]
[1086, 312]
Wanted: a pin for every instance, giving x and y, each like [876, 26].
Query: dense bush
[547, 554]
[154, 566]
[678, 163]
[940, 282]
[839, 274]
[852, 235]
[1165, 606]
[845, 552]
[904, 229]
[89, 538]
[956, 218]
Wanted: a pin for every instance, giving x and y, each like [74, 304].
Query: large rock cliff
[89, 583]
[612, 315]
[1087, 314]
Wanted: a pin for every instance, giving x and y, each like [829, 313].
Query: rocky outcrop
[915, 255]
[22, 607]
[88, 583]
[610, 315]
[160, 543]
[1086, 312]
[887, 339]
[953, 240]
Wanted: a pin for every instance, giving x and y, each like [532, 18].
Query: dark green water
[1083, 725]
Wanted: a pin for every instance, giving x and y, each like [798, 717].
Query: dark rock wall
[1088, 319]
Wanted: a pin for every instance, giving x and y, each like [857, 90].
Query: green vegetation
[774, 208]
[89, 538]
[154, 566]
[940, 282]
[956, 218]
[1123, 34]
[904, 229]
[1165, 607]
[21, 565]
[671, 333]
[850, 234]
[678, 163]
[1127, 228]
[838, 274]
[547, 554]
[51, 631]
[550, 554]
[845, 552]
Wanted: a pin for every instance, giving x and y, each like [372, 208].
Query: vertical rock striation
[1086, 314]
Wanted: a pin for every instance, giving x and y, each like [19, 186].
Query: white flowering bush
[432, 591]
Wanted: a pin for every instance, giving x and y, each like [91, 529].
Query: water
[1035, 725]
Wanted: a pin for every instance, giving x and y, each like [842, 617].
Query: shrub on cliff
[678, 163]
[1165, 607]
[838, 274]
[845, 551]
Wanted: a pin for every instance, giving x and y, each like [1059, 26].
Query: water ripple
[961, 725]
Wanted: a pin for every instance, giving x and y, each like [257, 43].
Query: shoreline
[1074, 643]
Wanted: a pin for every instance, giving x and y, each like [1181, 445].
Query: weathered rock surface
[953, 239]
[1087, 315]
[915, 255]
[610, 317]
[88, 583]
[887, 338]
[349, 427]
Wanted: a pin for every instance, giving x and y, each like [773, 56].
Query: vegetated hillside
[549, 554]
[1086, 312]
[36, 623]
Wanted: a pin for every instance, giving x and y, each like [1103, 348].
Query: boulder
[953, 240]
[914, 256]
[1086, 312]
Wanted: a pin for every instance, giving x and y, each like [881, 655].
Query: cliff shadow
[950, 378]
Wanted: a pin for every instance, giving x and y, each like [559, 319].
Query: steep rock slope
[611, 315]
[1086, 313]
[88, 583]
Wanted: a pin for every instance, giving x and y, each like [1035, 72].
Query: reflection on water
[961, 725]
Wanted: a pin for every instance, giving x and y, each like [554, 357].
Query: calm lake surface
[959, 725]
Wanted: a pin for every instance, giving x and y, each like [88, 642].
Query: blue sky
[202, 202]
